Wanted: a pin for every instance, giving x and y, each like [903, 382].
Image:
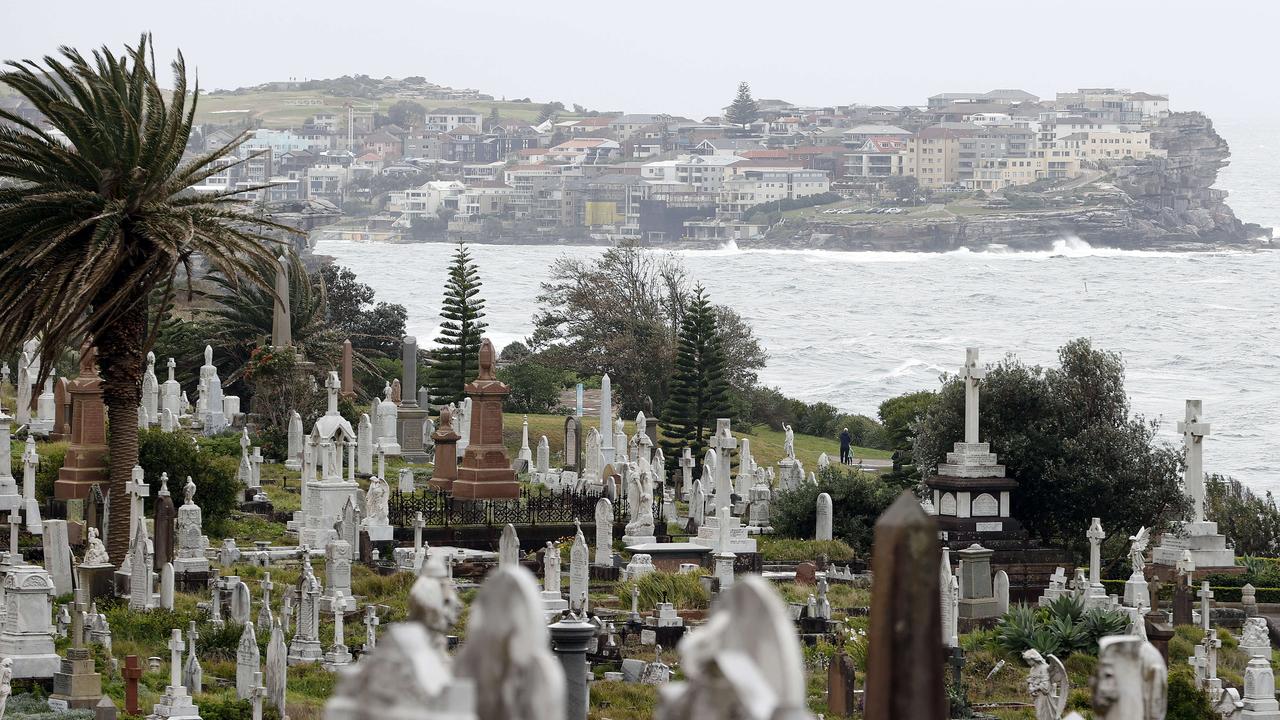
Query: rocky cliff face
[1176, 192]
[1165, 202]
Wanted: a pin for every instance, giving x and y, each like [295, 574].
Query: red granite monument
[486, 470]
[446, 440]
[85, 462]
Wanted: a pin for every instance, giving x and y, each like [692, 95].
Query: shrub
[773, 549]
[1185, 700]
[857, 500]
[535, 387]
[232, 708]
[217, 489]
[1062, 628]
[684, 590]
[51, 457]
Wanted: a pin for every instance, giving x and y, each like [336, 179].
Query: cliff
[1167, 203]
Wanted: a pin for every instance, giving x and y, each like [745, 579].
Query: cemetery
[384, 531]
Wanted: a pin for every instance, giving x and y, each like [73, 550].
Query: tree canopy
[699, 392]
[1067, 436]
[456, 360]
[97, 213]
[743, 110]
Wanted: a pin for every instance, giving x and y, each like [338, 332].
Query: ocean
[853, 329]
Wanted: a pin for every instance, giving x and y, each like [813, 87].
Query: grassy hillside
[284, 109]
[766, 444]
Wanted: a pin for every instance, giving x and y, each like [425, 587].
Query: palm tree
[97, 211]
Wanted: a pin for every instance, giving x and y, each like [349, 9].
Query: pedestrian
[846, 447]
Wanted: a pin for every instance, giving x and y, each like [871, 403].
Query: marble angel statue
[1047, 684]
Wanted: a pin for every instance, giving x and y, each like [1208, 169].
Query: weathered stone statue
[1131, 681]
[95, 552]
[508, 651]
[789, 443]
[1048, 685]
[734, 674]
[377, 502]
[409, 675]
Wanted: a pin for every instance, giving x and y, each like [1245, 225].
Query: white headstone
[604, 533]
[364, 446]
[57, 555]
[579, 570]
[824, 511]
[508, 547]
[247, 660]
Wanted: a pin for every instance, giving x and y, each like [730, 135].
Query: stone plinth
[971, 494]
[977, 595]
[27, 637]
[85, 463]
[486, 471]
[76, 683]
[1208, 547]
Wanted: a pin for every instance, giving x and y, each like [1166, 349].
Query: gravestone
[579, 571]
[176, 703]
[277, 669]
[247, 659]
[57, 555]
[85, 462]
[842, 698]
[977, 592]
[193, 672]
[542, 461]
[305, 647]
[410, 415]
[824, 510]
[508, 547]
[338, 656]
[171, 392]
[76, 685]
[604, 533]
[191, 540]
[165, 518]
[293, 461]
[446, 460]
[337, 577]
[606, 422]
[572, 451]
[140, 580]
[30, 504]
[485, 471]
[364, 445]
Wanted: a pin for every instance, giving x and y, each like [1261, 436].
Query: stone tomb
[27, 637]
[970, 491]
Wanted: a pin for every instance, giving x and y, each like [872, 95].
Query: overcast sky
[687, 56]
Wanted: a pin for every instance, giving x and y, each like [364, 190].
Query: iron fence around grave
[534, 506]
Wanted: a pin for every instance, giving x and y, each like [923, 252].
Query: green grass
[683, 590]
[773, 549]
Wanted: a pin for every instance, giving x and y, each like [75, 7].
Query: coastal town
[271, 450]
[413, 161]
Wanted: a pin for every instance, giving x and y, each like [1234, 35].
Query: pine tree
[699, 393]
[743, 110]
[455, 361]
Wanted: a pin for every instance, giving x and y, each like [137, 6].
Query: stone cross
[686, 472]
[1096, 536]
[15, 555]
[193, 678]
[258, 694]
[1194, 431]
[176, 646]
[264, 611]
[138, 489]
[1205, 594]
[972, 374]
[77, 625]
[132, 673]
[371, 623]
[339, 617]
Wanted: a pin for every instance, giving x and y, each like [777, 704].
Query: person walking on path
[846, 451]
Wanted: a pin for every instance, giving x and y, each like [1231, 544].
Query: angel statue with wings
[1138, 548]
[1047, 684]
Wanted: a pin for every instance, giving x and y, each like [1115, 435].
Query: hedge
[1221, 593]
